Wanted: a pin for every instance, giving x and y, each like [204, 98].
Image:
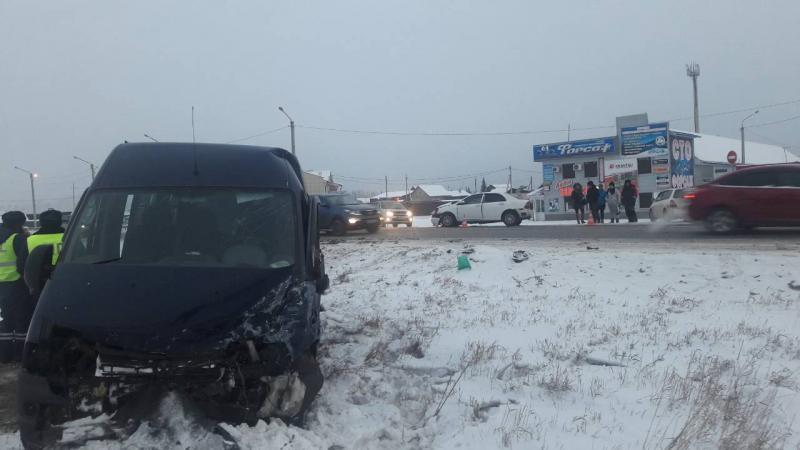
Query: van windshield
[185, 227]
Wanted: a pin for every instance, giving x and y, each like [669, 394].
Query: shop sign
[647, 140]
[660, 169]
[548, 172]
[660, 161]
[618, 166]
[682, 157]
[662, 180]
[586, 147]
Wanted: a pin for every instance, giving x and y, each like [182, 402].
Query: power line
[774, 122]
[446, 133]
[263, 133]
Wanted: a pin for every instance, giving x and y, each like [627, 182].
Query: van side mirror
[38, 267]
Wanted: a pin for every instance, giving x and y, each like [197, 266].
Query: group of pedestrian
[16, 302]
[598, 198]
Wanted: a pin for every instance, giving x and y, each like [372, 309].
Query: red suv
[755, 196]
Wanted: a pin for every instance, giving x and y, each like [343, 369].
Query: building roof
[714, 149]
[326, 174]
[390, 194]
[435, 190]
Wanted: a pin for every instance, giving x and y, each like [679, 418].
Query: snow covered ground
[622, 346]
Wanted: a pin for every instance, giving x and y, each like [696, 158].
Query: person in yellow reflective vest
[16, 307]
[51, 232]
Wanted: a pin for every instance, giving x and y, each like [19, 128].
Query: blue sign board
[549, 173]
[681, 162]
[647, 140]
[586, 147]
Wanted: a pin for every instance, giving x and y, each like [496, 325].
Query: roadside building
[652, 155]
[320, 182]
[422, 199]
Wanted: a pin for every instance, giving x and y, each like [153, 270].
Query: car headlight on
[408, 213]
[352, 220]
[389, 214]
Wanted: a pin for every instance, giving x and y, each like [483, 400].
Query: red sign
[732, 157]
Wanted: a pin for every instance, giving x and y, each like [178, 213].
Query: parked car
[342, 212]
[483, 208]
[756, 196]
[669, 205]
[394, 213]
[213, 292]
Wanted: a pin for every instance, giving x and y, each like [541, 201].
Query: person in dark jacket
[578, 201]
[629, 195]
[593, 198]
[601, 202]
[16, 308]
[613, 201]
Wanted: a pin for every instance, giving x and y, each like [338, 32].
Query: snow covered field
[628, 346]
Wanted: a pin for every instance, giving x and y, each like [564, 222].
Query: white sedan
[669, 205]
[483, 208]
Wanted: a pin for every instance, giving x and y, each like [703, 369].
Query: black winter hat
[51, 217]
[14, 219]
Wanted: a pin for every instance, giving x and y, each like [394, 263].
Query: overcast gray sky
[79, 77]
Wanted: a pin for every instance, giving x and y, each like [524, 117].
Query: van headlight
[352, 220]
[389, 214]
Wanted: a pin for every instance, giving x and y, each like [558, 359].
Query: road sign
[732, 157]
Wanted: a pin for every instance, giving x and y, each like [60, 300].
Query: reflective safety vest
[8, 261]
[55, 239]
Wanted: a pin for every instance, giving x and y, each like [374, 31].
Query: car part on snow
[519, 256]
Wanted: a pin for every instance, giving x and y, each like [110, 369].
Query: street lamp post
[291, 125]
[741, 129]
[91, 165]
[150, 137]
[33, 189]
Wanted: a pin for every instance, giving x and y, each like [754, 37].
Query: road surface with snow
[631, 345]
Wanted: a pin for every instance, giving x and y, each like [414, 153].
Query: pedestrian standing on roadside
[593, 198]
[15, 304]
[601, 202]
[578, 201]
[629, 195]
[613, 200]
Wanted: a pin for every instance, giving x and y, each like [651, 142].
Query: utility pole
[291, 125]
[693, 71]
[741, 129]
[476, 184]
[406, 177]
[510, 183]
[569, 130]
[32, 176]
[91, 165]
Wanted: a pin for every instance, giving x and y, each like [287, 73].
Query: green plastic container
[463, 262]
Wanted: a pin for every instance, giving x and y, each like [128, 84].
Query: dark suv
[756, 196]
[342, 212]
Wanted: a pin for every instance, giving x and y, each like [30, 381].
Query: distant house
[320, 182]
[422, 199]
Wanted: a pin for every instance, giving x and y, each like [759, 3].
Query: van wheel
[511, 218]
[448, 220]
[721, 221]
[371, 229]
[338, 228]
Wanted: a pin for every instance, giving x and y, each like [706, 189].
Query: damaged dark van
[188, 268]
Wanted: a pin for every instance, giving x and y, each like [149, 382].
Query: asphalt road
[681, 234]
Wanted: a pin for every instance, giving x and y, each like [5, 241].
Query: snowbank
[625, 346]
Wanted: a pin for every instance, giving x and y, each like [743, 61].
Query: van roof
[163, 164]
